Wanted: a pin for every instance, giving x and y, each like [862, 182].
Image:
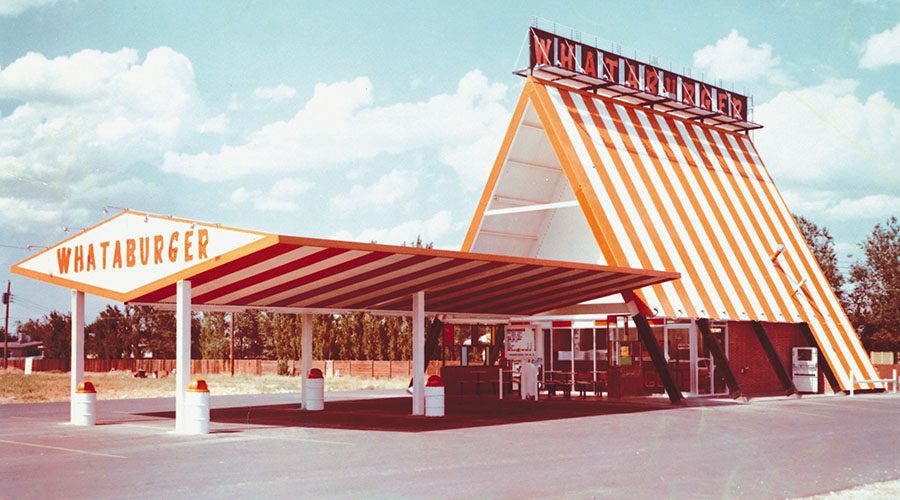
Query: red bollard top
[86, 387]
[434, 381]
[315, 373]
[198, 385]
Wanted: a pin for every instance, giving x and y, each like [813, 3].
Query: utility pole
[6, 300]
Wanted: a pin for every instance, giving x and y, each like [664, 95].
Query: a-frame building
[583, 177]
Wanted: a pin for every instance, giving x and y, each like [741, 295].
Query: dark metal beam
[659, 361]
[786, 382]
[721, 360]
[823, 361]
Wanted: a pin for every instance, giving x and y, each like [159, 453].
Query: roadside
[16, 387]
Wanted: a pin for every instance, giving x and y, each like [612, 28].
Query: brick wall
[749, 362]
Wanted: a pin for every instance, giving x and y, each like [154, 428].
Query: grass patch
[16, 387]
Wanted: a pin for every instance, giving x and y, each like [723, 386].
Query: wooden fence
[330, 368]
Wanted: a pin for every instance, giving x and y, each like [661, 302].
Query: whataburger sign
[124, 254]
[548, 49]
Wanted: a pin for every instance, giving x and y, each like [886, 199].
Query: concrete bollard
[315, 387]
[84, 402]
[196, 407]
[434, 397]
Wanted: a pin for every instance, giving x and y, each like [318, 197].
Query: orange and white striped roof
[584, 178]
[232, 268]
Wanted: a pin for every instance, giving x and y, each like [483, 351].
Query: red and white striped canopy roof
[138, 258]
[317, 274]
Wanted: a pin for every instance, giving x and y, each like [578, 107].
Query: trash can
[84, 403]
[434, 397]
[196, 405]
[315, 388]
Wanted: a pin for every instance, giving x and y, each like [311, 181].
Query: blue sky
[379, 121]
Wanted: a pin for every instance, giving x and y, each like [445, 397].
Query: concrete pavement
[364, 445]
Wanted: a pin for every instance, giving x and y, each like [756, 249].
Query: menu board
[519, 343]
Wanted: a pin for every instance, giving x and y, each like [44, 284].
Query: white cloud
[837, 207]
[283, 196]
[85, 119]
[817, 138]
[390, 188]
[733, 59]
[218, 124]
[274, 94]
[432, 229]
[16, 7]
[882, 49]
[340, 124]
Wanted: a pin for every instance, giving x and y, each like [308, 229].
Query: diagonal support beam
[826, 366]
[721, 360]
[659, 361]
[786, 382]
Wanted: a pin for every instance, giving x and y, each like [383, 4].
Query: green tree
[874, 302]
[107, 336]
[54, 330]
[214, 341]
[821, 243]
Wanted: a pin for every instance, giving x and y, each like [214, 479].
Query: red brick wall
[749, 362]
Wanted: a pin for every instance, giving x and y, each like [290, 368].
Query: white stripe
[246, 272]
[677, 235]
[705, 275]
[618, 226]
[632, 171]
[752, 243]
[331, 278]
[284, 278]
[725, 285]
[744, 178]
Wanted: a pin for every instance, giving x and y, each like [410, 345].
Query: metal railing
[887, 381]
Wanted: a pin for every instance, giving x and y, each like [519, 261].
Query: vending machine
[805, 364]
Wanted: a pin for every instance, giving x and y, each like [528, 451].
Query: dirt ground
[16, 387]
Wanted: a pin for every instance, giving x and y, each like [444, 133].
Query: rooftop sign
[569, 62]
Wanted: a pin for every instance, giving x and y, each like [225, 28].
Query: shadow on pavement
[393, 413]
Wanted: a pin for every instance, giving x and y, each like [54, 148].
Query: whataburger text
[183, 246]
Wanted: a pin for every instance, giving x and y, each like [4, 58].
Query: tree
[54, 330]
[107, 336]
[874, 302]
[821, 243]
[214, 341]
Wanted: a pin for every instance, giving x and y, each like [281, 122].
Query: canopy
[138, 257]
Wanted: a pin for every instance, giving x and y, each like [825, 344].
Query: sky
[380, 120]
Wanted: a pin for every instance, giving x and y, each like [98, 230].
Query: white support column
[418, 347]
[306, 356]
[182, 350]
[77, 367]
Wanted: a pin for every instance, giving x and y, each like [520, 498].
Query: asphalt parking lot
[364, 445]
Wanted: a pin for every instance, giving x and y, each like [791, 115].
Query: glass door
[710, 378]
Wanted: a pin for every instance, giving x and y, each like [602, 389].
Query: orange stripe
[499, 162]
[743, 250]
[693, 238]
[627, 179]
[704, 221]
[611, 192]
[581, 185]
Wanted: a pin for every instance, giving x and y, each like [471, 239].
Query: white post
[501, 382]
[852, 382]
[77, 371]
[418, 347]
[306, 356]
[895, 380]
[182, 350]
